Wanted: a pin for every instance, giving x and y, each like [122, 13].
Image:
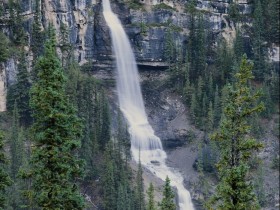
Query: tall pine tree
[56, 131]
[5, 180]
[235, 191]
[167, 202]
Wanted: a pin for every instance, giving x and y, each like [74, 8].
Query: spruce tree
[89, 151]
[151, 198]
[167, 202]
[4, 47]
[273, 31]
[259, 50]
[140, 203]
[105, 121]
[235, 190]
[5, 180]
[36, 35]
[15, 22]
[57, 132]
[18, 158]
[217, 107]
[19, 92]
[108, 179]
[210, 118]
[200, 58]
[193, 109]
[16, 144]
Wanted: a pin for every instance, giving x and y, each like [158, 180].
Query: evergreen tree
[167, 202]
[223, 62]
[272, 23]
[105, 121]
[170, 50]
[192, 38]
[5, 180]
[16, 23]
[4, 48]
[274, 86]
[140, 203]
[217, 107]
[64, 44]
[188, 88]
[19, 92]
[151, 198]
[18, 158]
[193, 109]
[110, 193]
[210, 118]
[16, 145]
[259, 50]
[234, 191]
[238, 46]
[200, 58]
[89, 151]
[56, 133]
[234, 12]
[36, 34]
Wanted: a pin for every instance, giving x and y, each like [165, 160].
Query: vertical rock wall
[89, 34]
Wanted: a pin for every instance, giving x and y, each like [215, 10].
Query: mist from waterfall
[131, 103]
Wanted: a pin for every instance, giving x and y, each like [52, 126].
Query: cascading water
[131, 103]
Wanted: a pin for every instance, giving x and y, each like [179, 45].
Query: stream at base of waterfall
[131, 103]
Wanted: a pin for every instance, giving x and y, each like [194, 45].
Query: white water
[131, 104]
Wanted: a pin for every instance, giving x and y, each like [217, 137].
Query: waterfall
[131, 103]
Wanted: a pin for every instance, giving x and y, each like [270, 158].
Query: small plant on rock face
[163, 6]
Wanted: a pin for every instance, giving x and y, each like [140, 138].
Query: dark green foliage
[116, 182]
[85, 99]
[234, 191]
[5, 180]
[117, 185]
[271, 9]
[64, 44]
[274, 86]
[199, 61]
[197, 46]
[19, 92]
[210, 118]
[16, 144]
[207, 158]
[18, 161]
[151, 198]
[135, 4]
[223, 64]
[234, 12]
[190, 7]
[15, 23]
[139, 199]
[110, 193]
[104, 136]
[167, 202]
[217, 107]
[259, 185]
[170, 48]
[163, 6]
[4, 48]
[37, 37]
[56, 130]
[238, 47]
[272, 21]
[259, 49]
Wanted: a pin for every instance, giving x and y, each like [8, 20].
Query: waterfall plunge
[132, 106]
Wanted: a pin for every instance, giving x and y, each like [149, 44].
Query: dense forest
[64, 142]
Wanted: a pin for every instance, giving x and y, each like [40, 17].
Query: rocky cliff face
[146, 27]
